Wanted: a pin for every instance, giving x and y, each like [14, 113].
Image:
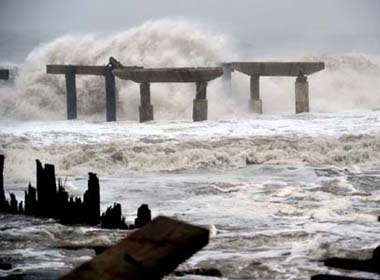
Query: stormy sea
[311, 190]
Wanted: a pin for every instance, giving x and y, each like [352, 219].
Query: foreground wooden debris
[52, 201]
[370, 265]
[149, 253]
[335, 277]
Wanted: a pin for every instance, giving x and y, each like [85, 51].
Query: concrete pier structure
[146, 108]
[4, 74]
[70, 72]
[200, 76]
[292, 69]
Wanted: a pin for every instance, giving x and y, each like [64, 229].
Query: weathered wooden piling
[91, 200]
[112, 218]
[3, 201]
[31, 207]
[48, 201]
[13, 204]
[149, 253]
[143, 216]
[46, 190]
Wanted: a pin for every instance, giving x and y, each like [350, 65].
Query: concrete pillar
[71, 93]
[4, 74]
[255, 103]
[302, 94]
[227, 73]
[200, 102]
[110, 95]
[146, 109]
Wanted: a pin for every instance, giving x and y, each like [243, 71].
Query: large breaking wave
[350, 81]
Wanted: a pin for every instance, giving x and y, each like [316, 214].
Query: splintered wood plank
[149, 253]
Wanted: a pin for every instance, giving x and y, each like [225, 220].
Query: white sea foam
[343, 140]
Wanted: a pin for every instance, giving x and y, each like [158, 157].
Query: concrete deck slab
[170, 75]
[98, 70]
[277, 68]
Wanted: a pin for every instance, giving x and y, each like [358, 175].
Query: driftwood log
[149, 253]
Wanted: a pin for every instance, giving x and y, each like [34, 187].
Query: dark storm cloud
[294, 24]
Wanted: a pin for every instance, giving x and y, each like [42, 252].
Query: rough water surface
[313, 193]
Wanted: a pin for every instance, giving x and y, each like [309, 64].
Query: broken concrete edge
[293, 68]
[170, 75]
[148, 253]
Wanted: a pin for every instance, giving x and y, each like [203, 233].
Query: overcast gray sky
[325, 24]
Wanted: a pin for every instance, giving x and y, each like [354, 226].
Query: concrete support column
[71, 93]
[200, 102]
[255, 103]
[302, 94]
[110, 95]
[146, 109]
[227, 74]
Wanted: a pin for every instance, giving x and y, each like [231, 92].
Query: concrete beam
[97, 70]
[277, 68]
[77, 69]
[169, 75]
[4, 74]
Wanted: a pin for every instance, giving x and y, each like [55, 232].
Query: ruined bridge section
[70, 71]
[200, 76]
[4, 74]
[257, 69]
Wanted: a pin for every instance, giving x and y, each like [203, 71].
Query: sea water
[312, 192]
